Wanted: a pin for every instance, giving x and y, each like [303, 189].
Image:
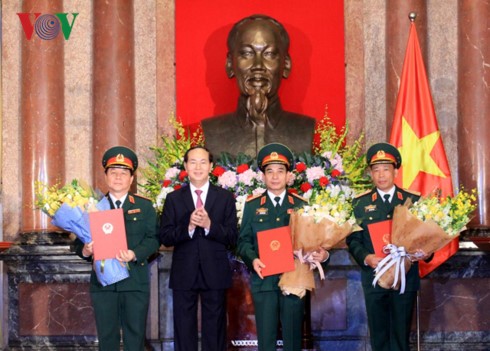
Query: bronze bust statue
[258, 56]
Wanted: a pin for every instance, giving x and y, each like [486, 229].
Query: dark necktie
[118, 204]
[277, 199]
[387, 198]
[199, 203]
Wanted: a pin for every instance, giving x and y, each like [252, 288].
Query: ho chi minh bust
[258, 56]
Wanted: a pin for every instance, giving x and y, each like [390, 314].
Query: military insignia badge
[261, 211]
[370, 208]
[131, 199]
[136, 210]
[290, 210]
[399, 195]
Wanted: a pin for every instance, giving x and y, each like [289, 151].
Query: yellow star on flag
[415, 154]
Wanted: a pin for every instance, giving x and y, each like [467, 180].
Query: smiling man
[389, 312]
[258, 56]
[271, 210]
[200, 222]
[122, 307]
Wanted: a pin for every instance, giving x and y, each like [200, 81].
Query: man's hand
[199, 218]
[419, 255]
[88, 249]
[320, 255]
[372, 260]
[258, 265]
[126, 256]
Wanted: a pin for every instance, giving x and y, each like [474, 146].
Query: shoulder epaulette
[253, 197]
[299, 197]
[143, 197]
[413, 192]
[362, 194]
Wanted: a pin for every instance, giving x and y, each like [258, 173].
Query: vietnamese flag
[416, 134]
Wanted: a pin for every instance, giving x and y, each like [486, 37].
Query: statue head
[258, 57]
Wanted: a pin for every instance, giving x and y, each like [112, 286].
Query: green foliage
[170, 153]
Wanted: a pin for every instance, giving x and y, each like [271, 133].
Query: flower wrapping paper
[413, 234]
[308, 236]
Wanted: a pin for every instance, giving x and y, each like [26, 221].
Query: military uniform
[270, 304]
[124, 305]
[389, 312]
[260, 214]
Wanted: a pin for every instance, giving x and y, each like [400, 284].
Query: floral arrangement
[450, 213]
[165, 172]
[334, 203]
[312, 174]
[68, 206]
[419, 230]
[77, 193]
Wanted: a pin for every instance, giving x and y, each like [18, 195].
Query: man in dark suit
[200, 222]
[389, 312]
[267, 211]
[123, 306]
[258, 57]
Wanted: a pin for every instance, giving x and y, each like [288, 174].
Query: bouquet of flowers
[68, 206]
[328, 220]
[427, 226]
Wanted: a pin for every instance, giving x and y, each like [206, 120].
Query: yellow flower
[76, 193]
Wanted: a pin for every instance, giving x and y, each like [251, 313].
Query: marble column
[474, 104]
[113, 83]
[397, 30]
[42, 112]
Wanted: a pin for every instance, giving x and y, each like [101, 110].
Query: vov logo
[47, 26]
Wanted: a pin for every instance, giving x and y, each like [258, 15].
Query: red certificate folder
[276, 250]
[380, 233]
[108, 233]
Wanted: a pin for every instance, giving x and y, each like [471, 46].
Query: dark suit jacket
[208, 253]
[141, 233]
[370, 208]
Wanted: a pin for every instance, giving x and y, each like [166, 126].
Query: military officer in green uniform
[267, 211]
[389, 312]
[123, 306]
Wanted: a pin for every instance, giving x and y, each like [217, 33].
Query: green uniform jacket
[370, 208]
[260, 214]
[141, 233]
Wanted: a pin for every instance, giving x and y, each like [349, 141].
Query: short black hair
[210, 155]
[257, 17]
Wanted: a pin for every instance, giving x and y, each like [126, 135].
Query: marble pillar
[113, 82]
[474, 105]
[397, 29]
[42, 112]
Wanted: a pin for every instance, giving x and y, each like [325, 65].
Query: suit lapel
[210, 198]
[187, 197]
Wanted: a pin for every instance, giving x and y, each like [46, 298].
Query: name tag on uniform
[136, 210]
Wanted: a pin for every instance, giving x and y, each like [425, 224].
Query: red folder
[380, 233]
[276, 250]
[108, 233]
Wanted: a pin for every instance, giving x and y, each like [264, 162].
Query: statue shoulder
[218, 120]
[297, 118]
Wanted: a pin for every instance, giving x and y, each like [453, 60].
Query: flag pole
[412, 16]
